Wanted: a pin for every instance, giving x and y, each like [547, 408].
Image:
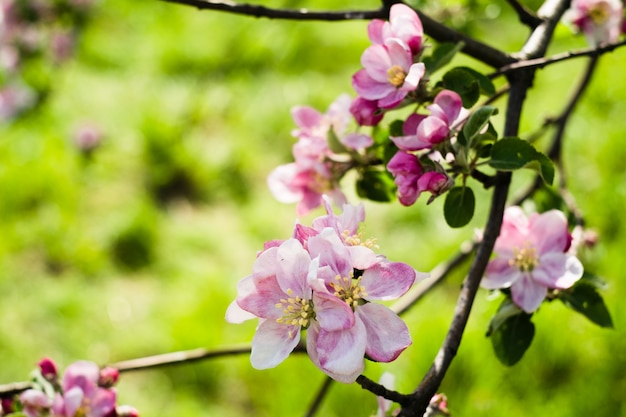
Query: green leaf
[458, 209]
[477, 121]
[334, 144]
[441, 56]
[376, 185]
[512, 337]
[464, 83]
[395, 128]
[509, 154]
[486, 86]
[585, 299]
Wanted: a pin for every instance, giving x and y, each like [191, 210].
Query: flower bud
[48, 369]
[108, 377]
[366, 112]
[126, 411]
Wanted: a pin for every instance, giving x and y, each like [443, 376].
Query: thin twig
[174, 358]
[539, 63]
[319, 397]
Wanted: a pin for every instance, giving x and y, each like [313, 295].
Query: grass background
[104, 259]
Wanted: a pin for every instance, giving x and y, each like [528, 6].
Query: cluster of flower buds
[85, 390]
[34, 31]
[324, 280]
[391, 77]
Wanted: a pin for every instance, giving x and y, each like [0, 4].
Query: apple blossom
[279, 293]
[35, 403]
[313, 174]
[404, 24]
[600, 20]
[81, 394]
[356, 275]
[388, 73]
[532, 256]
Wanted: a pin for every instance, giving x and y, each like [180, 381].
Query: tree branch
[441, 33]
[380, 390]
[526, 16]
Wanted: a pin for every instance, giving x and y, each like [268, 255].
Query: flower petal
[527, 293]
[500, 274]
[369, 88]
[272, 343]
[331, 312]
[340, 353]
[558, 270]
[376, 60]
[387, 334]
[293, 267]
[550, 232]
[387, 280]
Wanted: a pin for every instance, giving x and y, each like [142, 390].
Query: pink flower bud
[366, 112]
[126, 411]
[6, 406]
[48, 369]
[108, 377]
[87, 138]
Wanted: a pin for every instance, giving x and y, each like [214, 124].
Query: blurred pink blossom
[600, 20]
[81, 394]
[532, 256]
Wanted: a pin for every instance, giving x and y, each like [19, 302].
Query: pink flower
[297, 183]
[356, 275]
[421, 131]
[279, 293]
[81, 394]
[600, 20]
[313, 173]
[388, 73]
[36, 403]
[403, 24]
[532, 256]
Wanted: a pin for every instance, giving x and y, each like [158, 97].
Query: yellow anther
[396, 75]
[524, 258]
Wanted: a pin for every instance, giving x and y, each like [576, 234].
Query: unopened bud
[48, 369]
[126, 411]
[108, 377]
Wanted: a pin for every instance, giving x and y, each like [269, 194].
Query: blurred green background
[137, 249]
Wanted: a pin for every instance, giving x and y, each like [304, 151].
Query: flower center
[396, 75]
[524, 258]
[350, 290]
[357, 240]
[600, 13]
[296, 311]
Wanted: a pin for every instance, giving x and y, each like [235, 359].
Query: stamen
[396, 76]
[297, 311]
[524, 258]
